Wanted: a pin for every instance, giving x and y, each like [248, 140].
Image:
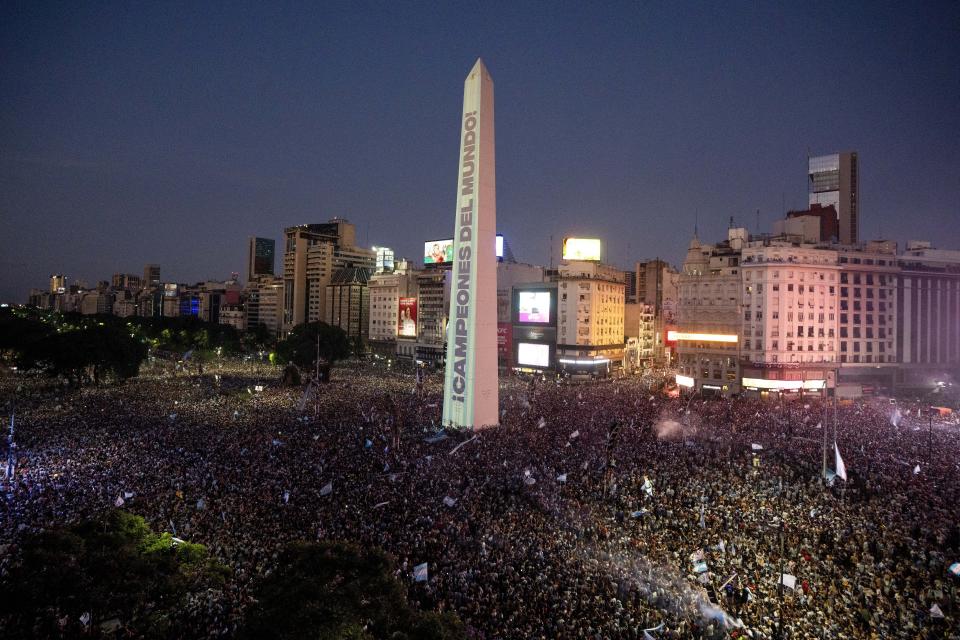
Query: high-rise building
[835, 180]
[126, 282]
[348, 301]
[312, 253]
[264, 304]
[151, 276]
[58, 283]
[260, 257]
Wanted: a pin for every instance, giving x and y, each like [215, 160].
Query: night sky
[169, 133]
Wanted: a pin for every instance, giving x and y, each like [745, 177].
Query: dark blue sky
[162, 132]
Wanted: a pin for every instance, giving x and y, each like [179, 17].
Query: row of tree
[116, 569]
[80, 347]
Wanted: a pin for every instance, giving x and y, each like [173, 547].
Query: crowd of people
[601, 510]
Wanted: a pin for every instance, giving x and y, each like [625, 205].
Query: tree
[112, 567]
[338, 590]
[20, 330]
[100, 349]
[300, 346]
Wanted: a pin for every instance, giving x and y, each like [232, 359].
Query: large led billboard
[581, 249]
[533, 307]
[530, 354]
[407, 318]
[438, 252]
[441, 251]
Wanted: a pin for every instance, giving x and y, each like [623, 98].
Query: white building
[590, 306]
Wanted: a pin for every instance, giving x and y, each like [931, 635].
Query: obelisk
[470, 392]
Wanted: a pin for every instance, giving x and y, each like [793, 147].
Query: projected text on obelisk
[470, 385]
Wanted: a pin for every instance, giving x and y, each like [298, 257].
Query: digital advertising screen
[581, 249]
[534, 306]
[407, 318]
[499, 246]
[438, 251]
[533, 355]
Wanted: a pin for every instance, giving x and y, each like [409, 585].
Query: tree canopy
[111, 567]
[300, 346]
[339, 590]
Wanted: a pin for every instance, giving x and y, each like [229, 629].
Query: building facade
[834, 179]
[590, 307]
[260, 257]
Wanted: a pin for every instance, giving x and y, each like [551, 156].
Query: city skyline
[670, 122]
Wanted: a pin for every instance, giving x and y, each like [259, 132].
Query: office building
[264, 304]
[835, 180]
[151, 276]
[126, 282]
[348, 302]
[312, 253]
[260, 257]
[58, 283]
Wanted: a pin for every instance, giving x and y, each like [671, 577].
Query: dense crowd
[593, 511]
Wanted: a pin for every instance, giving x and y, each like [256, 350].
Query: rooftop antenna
[758, 221]
[551, 251]
[731, 223]
[696, 223]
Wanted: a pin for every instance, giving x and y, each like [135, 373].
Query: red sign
[505, 341]
[407, 318]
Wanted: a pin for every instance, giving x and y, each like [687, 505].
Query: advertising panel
[441, 251]
[407, 318]
[438, 251]
[504, 340]
[534, 307]
[530, 354]
[581, 249]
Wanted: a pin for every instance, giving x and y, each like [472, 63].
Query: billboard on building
[504, 340]
[438, 251]
[581, 249]
[170, 290]
[534, 307]
[407, 318]
[530, 354]
[441, 251]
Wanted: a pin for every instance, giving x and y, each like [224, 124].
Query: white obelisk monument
[470, 392]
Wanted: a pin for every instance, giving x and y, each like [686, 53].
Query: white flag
[935, 611]
[575, 435]
[118, 502]
[85, 618]
[128, 494]
[286, 497]
[327, 489]
[841, 468]
[916, 470]
[448, 501]
[542, 423]
[420, 573]
[562, 477]
[789, 581]
[756, 447]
